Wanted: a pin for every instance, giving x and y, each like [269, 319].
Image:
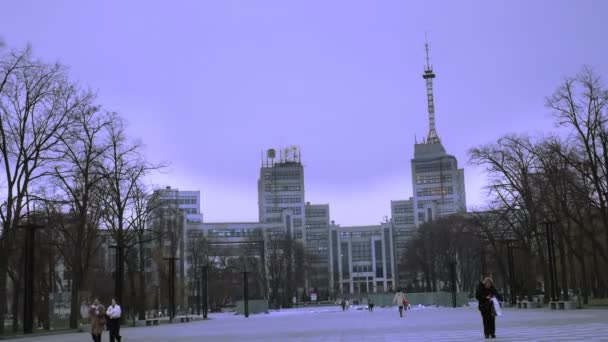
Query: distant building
[362, 259]
[437, 183]
[317, 245]
[281, 187]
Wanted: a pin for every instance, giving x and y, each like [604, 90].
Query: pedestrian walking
[114, 313]
[370, 305]
[97, 314]
[343, 304]
[486, 294]
[400, 301]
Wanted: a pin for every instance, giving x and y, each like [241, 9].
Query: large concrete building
[362, 259]
[343, 260]
[437, 183]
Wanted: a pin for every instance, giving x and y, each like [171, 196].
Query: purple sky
[208, 84]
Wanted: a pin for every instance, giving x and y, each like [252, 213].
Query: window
[433, 167]
[447, 190]
[270, 187]
[421, 217]
[403, 209]
[316, 225]
[297, 222]
[278, 175]
[378, 250]
[316, 213]
[345, 263]
[435, 179]
[403, 220]
[283, 199]
[362, 251]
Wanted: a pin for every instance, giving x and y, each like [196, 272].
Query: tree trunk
[141, 307]
[3, 279]
[564, 270]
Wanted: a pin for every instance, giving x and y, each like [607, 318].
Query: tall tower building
[281, 190]
[437, 181]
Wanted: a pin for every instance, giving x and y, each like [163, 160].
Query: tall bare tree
[37, 105]
[78, 176]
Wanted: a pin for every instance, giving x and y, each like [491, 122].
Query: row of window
[435, 179]
[403, 209]
[187, 200]
[282, 187]
[362, 268]
[284, 199]
[283, 175]
[316, 213]
[233, 232]
[316, 225]
[446, 190]
[433, 167]
[403, 220]
[189, 210]
[275, 219]
[358, 234]
[294, 210]
[316, 236]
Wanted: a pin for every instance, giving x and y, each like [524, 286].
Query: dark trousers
[489, 322]
[96, 337]
[401, 311]
[115, 330]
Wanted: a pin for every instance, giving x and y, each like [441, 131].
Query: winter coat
[113, 311]
[98, 319]
[482, 293]
[399, 298]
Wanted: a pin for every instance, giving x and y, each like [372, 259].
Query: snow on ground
[384, 324]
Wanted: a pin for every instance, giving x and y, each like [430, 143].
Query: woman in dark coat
[97, 313]
[484, 294]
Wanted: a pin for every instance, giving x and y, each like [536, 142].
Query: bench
[184, 319]
[524, 305]
[562, 305]
[152, 321]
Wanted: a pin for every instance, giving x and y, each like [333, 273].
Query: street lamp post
[245, 294]
[205, 299]
[28, 293]
[171, 261]
[118, 271]
[157, 300]
[511, 264]
[453, 274]
[551, 257]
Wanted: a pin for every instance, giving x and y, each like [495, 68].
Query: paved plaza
[384, 324]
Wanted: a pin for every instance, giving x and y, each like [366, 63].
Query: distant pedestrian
[343, 304]
[113, 312]
[370, 305]
[400, 300]
[486, 294]
[97, 313]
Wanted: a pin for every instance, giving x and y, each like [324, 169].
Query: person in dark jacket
[484, 294]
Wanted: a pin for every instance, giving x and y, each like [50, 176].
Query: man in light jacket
[399, 300]
[114, 313]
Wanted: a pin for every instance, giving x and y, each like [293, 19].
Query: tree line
[69, 163]
[558, 180]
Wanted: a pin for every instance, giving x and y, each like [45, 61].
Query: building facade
[362, 259]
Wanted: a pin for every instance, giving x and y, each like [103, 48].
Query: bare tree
[37, 105]
[78, 176]
[123, 167]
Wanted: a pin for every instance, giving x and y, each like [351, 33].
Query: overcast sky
[207, 85]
